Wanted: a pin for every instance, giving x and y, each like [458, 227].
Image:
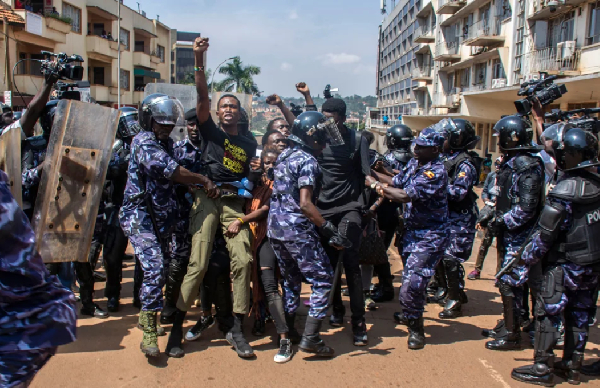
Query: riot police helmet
[313, 130]
[47, 117]
[129, 125]
[162, 109]
[399, 137]
[573, 148]
[515, 134]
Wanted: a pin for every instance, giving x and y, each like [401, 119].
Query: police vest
[504, 181]
[581, 244]
[469, 201]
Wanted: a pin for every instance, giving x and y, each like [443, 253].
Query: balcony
[474, 88]
[27, 84]
[425, 10]
[101, 49]
[446, 100]
[142, 59]
[423, 35]
[447, 52]
[422, 73]
[541, 10]
[484, 33]
[449, 7]
[41, 31]
[100, 93]
[563, 60]
[424, 49]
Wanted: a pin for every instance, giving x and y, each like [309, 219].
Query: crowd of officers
[205, 216]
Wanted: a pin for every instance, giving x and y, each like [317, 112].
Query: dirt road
[107, 353]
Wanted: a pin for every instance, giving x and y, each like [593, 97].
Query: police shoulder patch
[462, 174]
[593, 217]
[429, 174]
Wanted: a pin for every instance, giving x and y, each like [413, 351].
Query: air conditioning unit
[498, 83]
[566, 50]
[456, 99]
[476, 50]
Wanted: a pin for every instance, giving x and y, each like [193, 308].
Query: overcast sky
[319, 42]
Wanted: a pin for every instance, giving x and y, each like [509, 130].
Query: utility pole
[118, 54]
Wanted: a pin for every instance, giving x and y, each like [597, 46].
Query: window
[480, 73]
[125, 77]
[98, 76]
[35, 67]
[74, 13]
[561, 29]
[479, 133]
[139, 46]
[504, 9]
[498, 69]
[465, 77]
[160, 52]
[594, 27]
[124, 36]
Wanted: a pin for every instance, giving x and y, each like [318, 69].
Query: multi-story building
[458, 58]
[182, 55]
[88, 28]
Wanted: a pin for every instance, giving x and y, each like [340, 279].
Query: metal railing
[421, 71]
[447, 48]
[483, 27]
[474, 88]
[423, 31]
[550, 59]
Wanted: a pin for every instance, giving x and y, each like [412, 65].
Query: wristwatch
[374, 185]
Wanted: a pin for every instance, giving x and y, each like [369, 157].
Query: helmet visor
[329, 127]
[129, 125]
[556, 134]
[167, 111]
[445, 127]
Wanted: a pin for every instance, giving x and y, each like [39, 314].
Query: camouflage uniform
[294, 238]
[149, 182]
[38, 314]
[425, 238]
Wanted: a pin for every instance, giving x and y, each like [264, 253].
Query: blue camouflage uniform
[461, 224]
[577, 299]
[426, 218]
[294, 238]
[149, 181]
[38, 314]
[392, 161]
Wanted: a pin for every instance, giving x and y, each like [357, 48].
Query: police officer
[187, 153]
[398, 140]
[566, 241]
[38, 314]
[519, 185]
[115, 241]
[292, 233]
[462, 167]
[33, 155]
[149, 208]
[422, 186]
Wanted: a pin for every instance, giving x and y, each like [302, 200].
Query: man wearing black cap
[341, 201]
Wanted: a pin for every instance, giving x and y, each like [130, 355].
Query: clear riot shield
[72, 180]
[10, 161]
[186, 94]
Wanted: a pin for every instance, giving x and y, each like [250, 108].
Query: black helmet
[128, 123]
[47, 117]
[514, 133]
[461, 134]
[161, 108]
[314, 126]
[399, 137]
[567, 139]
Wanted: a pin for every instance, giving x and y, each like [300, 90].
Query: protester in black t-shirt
[342, 201]
[226, 156]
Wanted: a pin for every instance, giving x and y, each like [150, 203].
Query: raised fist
[302, 87]
[200, 45]
[274, 99]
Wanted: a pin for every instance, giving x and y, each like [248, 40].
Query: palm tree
[239, 78]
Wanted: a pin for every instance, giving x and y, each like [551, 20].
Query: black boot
[570, 365]
[86, 290]
[453, 305]
[592, 369]
[512, 339]
[113, 304]
[383, 293]
[174, 345]
[498, 331]
[236, 338]
[400, 318]
[442, 285]
[311, 341]
[293, 335]
[177, 272]
[416, 334]
[337, 317]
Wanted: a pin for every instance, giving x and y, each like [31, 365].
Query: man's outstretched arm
[203, 99]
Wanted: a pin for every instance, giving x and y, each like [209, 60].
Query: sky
[317, 42]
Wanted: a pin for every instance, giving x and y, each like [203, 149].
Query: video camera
[62, 66]
[327, 92]
[65, 91]
[584, 121]
[544, 89]
[296, 109]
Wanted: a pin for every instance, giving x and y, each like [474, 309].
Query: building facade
[182, 55]
[87, 28]
[458, 58]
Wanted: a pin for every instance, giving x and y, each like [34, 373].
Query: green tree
[239, 78]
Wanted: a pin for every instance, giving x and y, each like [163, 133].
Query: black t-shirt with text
[226, 158]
